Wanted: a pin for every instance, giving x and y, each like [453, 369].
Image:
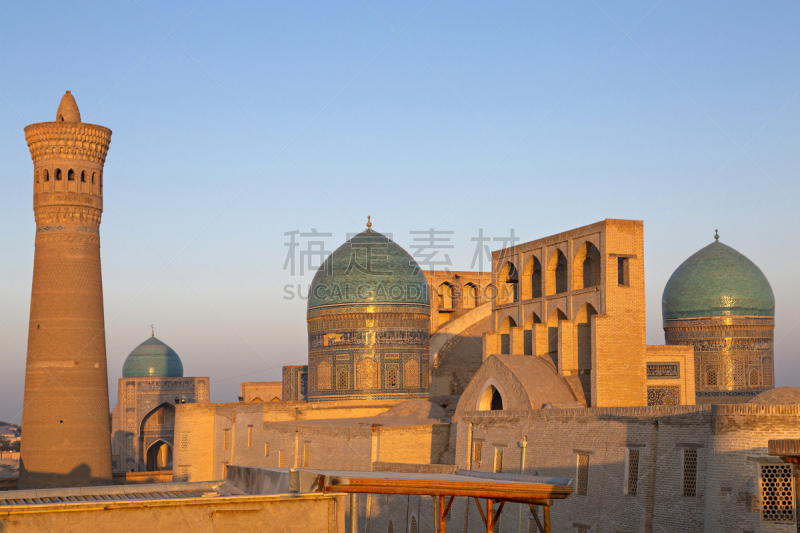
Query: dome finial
[716, 235]
[369, 224]
[152, 331]
[68, 109]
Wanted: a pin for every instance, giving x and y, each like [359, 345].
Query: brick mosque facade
[565, 386]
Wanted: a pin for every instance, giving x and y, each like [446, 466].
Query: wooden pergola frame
[443, 487]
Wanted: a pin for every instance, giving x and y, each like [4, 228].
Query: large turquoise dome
[152, 358]
[368, 269]
[717, 281]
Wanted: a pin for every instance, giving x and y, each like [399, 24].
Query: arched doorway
[491, 399]
[158, 426]
[159, 456]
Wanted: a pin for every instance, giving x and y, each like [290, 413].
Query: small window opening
[690, 472]
[498, 460]
[536, 279]
[249, 436]
[281, 461]
[476, 451]
[58, 174]
[46, 176]
[583, 474]
[83, 176]
[71, 175]
[93, 175]
[632, 479]
[777, 493]
[711, 377]
[623, 271]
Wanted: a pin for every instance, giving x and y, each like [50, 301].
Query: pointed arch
[532, 279]
[507, 284]
[445, 293]
[505, 334]
[411, 374]
[367, 374]
[556, 278]
[586, 267]
[753, 378]
[324, 375]
[470, 296]
[553, 323]
[583, 336]
[159, 456]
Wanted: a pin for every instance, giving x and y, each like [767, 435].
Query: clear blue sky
[234, 123]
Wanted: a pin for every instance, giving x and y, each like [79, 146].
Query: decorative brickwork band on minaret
[66, 415]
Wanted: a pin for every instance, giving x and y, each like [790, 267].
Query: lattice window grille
[752, 378]
[342, 379]
[184, 441]
[777, 493]
[390, 528]
[738, 372]
[323, 375]
[266, 449]
[413, 528]
[249, 436]
[690, 472]
[280, 459]
[498, 460]
[225, 439]
[367, 374]
[391, 377]
[184, 474]
[767, 365]
[411, 374]
[633, 472]
[476, 451]
[583, 474]
[306, 452]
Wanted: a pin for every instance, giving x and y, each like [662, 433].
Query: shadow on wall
[80, 476]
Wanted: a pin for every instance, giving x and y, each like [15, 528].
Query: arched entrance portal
[159, 456]
[156, 428]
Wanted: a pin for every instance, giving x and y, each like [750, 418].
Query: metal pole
[354, 513]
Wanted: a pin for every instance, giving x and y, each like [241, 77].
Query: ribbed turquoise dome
[369, 268]
[152, 358]
[717, 281]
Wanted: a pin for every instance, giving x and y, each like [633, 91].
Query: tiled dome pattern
[717, 281]
[152, 358]
[368, 269]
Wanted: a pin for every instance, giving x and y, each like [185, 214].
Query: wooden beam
[537, 499]
[536, 518]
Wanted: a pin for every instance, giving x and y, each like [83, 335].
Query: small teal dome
[154, 359]
[370, 269]
[717, 281]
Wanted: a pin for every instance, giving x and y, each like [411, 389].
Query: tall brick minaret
[65, 422]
